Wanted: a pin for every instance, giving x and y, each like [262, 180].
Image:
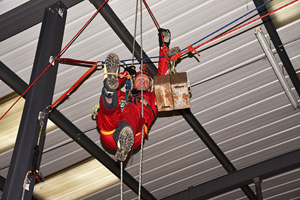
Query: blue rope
[123, 61]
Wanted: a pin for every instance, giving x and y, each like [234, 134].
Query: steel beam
[17, 84]
[278, 45]
[30, 139]
[214, 148]
[119, 28]
[258, 188]
[2, 182]
[244, 176]
[26, 16]
[127, 38]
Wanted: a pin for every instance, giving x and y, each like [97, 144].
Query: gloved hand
[131, 70]
[164, 36]
[173, 51]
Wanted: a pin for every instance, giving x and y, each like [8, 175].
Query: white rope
[24, 184]
[142, 139]
[134, 34]
[121, 183]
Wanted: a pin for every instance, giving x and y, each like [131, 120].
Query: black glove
[164, 36]
[131, 70]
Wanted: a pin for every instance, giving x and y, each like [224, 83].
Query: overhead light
[298, 73]
[284, 16]
[268, 51]
[9, 125]
[76, 182]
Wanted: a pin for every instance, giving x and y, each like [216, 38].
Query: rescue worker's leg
[109, 114]
[124, 138]
[129, 131]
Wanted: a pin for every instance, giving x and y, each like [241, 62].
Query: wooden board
[171, 92]
[180, 91]
[163, 93]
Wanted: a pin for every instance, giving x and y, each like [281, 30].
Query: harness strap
[144, 101]
[112, 131]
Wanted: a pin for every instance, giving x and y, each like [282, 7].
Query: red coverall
[108, 120]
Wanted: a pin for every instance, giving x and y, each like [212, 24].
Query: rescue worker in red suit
[120, 129]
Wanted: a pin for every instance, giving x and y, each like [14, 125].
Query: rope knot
[176, 56]
[191, 49]
[166, 51]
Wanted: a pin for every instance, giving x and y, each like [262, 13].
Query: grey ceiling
[236, 97]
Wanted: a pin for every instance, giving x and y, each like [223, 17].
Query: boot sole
[112, 64]
[125, 143]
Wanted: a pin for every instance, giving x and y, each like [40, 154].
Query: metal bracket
[42, 115]
[61, 12]
[28, 182]
[41, 118]
[51, 60]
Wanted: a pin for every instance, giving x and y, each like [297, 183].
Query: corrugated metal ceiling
[236, 97]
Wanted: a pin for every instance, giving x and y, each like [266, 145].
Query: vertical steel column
[257, 183]
[2, 182]
[278, 45]
[38, 98]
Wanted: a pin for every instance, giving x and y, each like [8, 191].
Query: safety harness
[135, 99]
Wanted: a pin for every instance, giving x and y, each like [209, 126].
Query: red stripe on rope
[72, 40]
[151, 14]
[75, 85]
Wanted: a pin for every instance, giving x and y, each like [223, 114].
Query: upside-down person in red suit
[121, 128]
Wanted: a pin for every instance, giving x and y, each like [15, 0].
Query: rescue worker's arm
[164, 36]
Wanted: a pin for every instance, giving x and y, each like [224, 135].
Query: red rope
[74, 86]
[72, 40]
